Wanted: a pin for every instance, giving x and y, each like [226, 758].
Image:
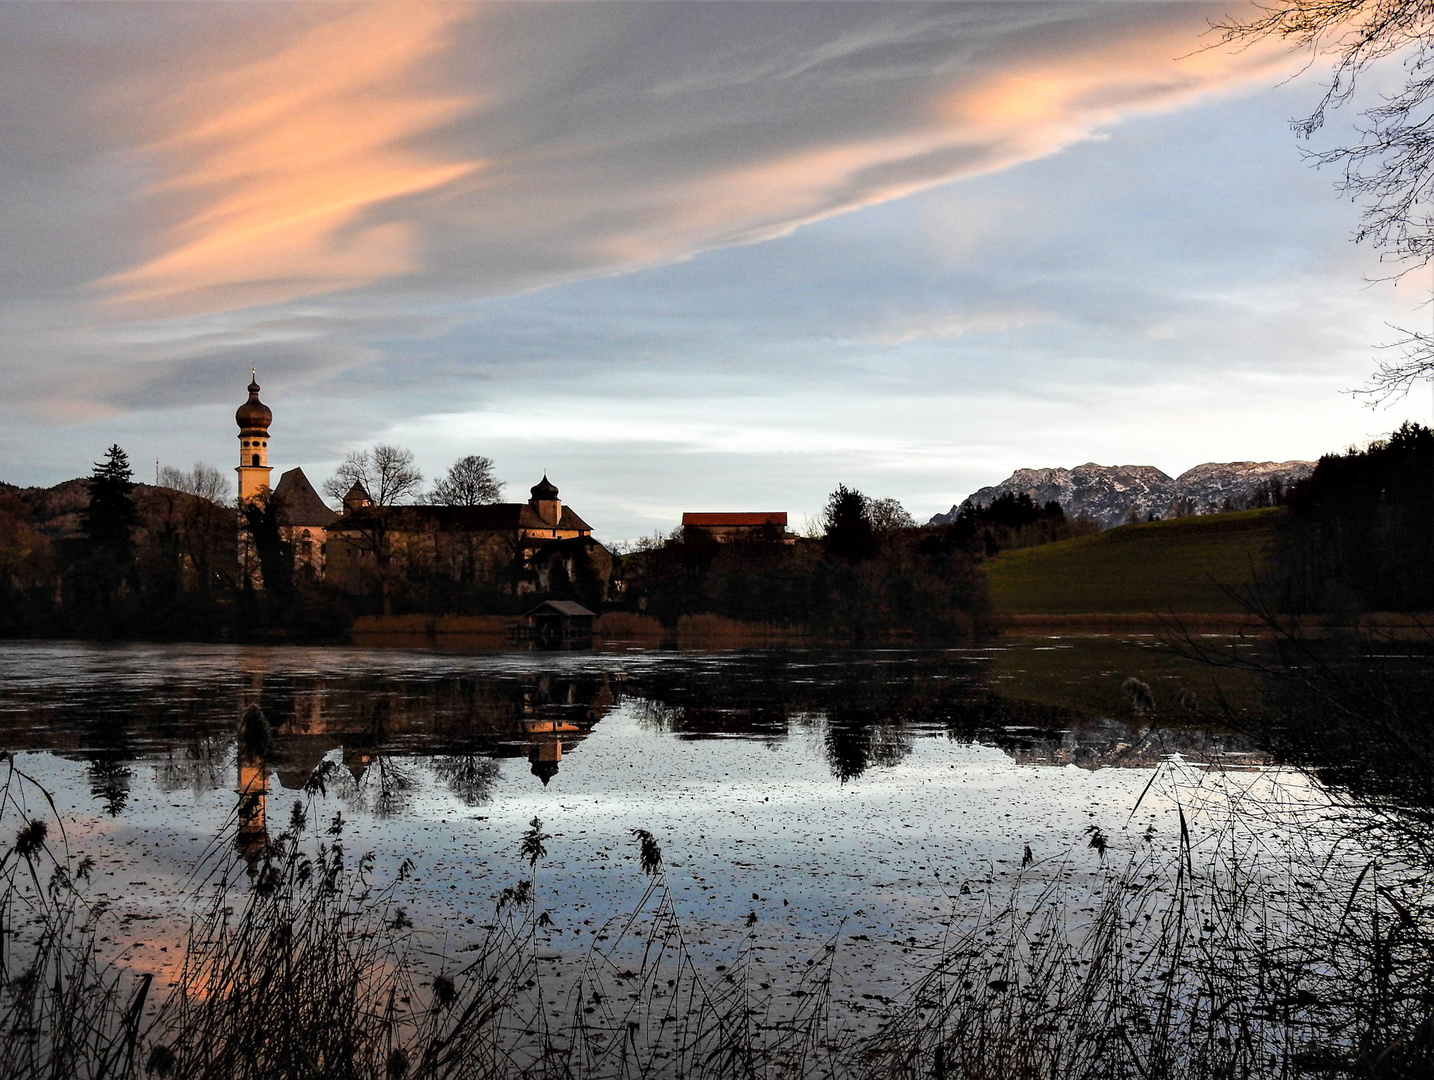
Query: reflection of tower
[544, 755]
[253, 418]
[545, 746]
[253, 748]
[253, 835]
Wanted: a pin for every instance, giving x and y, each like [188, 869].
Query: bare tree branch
[386, 473]
[1389, 168]
[470, 482]
[1396, 377]
[203, 481]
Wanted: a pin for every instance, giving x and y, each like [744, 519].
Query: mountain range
[1108, 493]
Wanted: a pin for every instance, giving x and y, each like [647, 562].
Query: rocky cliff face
[1109, 492]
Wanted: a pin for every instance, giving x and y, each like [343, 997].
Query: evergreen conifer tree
[847, 521]
[111, 517]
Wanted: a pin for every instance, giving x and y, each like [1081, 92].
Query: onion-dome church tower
[253, 418]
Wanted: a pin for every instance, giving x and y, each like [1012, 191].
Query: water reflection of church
[359, 736]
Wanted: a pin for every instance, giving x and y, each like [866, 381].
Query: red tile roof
[777, 518]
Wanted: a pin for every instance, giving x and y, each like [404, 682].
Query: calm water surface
[861, 794]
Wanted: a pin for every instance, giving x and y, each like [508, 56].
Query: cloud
[408, 149]
[727, 245]
[941, 325]
[285, 158]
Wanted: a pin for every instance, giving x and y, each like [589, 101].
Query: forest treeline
[104, 557]
[136, 561]
[869, 573]
[1359, 532]
[163, 561]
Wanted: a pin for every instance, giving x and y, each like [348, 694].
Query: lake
[866, 796]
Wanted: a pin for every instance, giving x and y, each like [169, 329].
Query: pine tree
[111, 517]
[847, 521]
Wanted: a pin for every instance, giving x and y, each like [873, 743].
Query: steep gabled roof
[299, 504]
[569, 520]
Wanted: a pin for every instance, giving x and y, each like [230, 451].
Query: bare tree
[470, 482]
[1387, 168]
[386, 473]
[387, 476]
[888, 515]
[203, 481]
[203, 525]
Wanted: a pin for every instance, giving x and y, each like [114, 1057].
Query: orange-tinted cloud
[1044, 102]
[303, 172]
[1036, 101]
[282, 162]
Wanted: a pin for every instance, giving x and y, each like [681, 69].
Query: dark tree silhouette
[469, 482]
[387, 477]
[1360, 532]
[109, 522]
[110, 519]
[276, 557]
[847, 525]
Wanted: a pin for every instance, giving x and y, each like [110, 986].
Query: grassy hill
[1158, 566]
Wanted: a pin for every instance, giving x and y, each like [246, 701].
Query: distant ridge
[1108, 493]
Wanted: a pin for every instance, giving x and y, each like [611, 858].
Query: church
[539, 546]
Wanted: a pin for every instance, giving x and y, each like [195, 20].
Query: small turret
[545, 501]
[356, 499]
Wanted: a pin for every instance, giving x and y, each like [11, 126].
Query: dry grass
[719, 631]
[368, 627]
[629, 626]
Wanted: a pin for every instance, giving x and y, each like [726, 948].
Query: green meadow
[1183, 566]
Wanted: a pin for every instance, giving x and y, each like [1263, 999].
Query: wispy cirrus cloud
[928, 326]
[483, 149]
[284, 160]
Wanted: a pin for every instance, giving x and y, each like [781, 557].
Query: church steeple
[253, 418]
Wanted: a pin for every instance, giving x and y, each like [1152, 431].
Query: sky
[680, 255]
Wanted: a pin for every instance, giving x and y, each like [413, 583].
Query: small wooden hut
[555, 622]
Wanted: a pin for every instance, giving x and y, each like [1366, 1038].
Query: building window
[256, 461]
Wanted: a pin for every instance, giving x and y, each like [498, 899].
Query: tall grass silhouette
[1215, 956]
